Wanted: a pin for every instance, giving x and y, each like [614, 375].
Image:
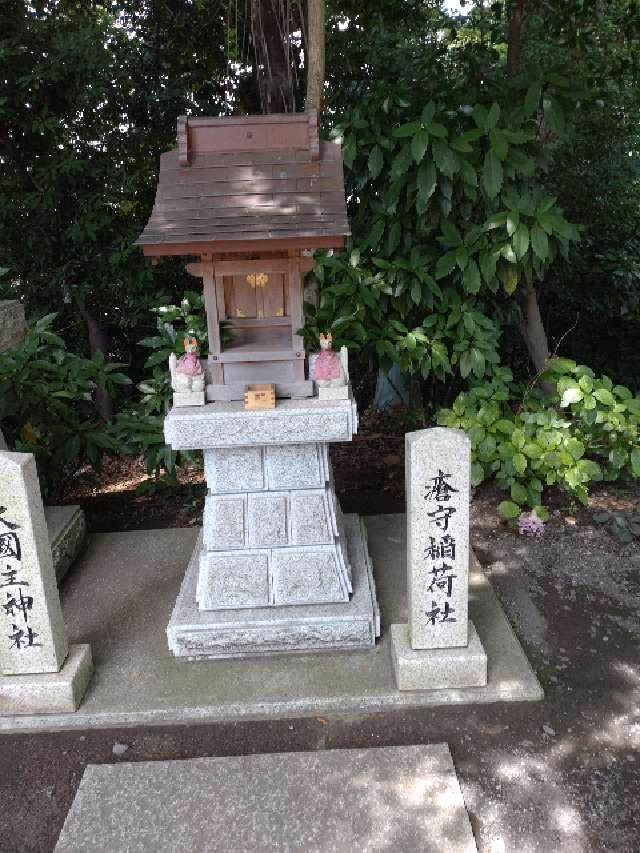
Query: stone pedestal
[439, 647]
[39, 673]
[277, 568]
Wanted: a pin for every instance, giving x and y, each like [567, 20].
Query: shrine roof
[247, 183]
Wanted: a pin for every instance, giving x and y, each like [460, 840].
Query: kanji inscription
[437, 478]
[32, 636]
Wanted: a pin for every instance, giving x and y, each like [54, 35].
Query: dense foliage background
[493, 183]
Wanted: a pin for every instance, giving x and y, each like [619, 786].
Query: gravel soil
[572, 596]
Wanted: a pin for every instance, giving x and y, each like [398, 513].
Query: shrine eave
[201, 247]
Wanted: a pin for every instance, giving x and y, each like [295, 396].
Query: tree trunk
[533, 331]
[98, 342]
[315, 57]
[514, 38]
[270, 31]
[532, 327]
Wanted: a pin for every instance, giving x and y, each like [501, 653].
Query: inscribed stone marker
[32, 637]
[437, 481]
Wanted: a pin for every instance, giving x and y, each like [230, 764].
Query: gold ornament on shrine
[258, 279]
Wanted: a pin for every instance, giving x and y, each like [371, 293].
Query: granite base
[437, 669]
[51, 692]
[67, 528]
[197, 634]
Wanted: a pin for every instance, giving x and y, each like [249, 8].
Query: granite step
[402, 798]
[67, 535]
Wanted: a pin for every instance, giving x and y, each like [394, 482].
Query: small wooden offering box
[260, 396]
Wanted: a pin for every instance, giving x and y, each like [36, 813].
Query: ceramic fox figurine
[331, 369]
[187, 376]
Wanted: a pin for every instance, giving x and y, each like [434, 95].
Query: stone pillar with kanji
[438, 647]
[39, 671]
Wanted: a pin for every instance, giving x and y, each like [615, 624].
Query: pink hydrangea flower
[529, 524]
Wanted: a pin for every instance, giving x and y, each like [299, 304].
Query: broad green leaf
[465, 364]
[635, 461]
[444, 157]
[519, 461]
[518, 438]
[461, 145]
[419, 145]
[451, 235]
[519, 494]
[401, 162]
[426, 181]
[505, 426]
[513, 220]
[375, 161]
[618, 457]
[376, 233]
[492, 174]
[428, 112]
[495, 220]
[393, 238]
[471, 279]
[492, 116]
[498, 143]
[539, 242]
[542, 512]
[468, 173]
[436, 129]
[477, 474]
[622, 392]
[571, 395]
[554, 115]
[406, 130]
[576, 448]
[480, 116]
[561, 365]
[462, 258]
[532, 99]
[445, 264]
[478, 366]
[604, 396]
[520, 240]
[509, 510]
[488, 261]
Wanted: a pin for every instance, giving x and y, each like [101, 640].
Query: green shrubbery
[140, 425]
[46, 402]
[581, 430]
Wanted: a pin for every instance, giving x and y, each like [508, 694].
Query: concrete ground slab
[67, 535]
[394, 798]
[119, 598]
[48, 692]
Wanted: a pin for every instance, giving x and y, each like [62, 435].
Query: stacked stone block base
[194, 634]
[277, 568]
[272, 530]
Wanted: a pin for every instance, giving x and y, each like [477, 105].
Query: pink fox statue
[330, 369]
[186, 373]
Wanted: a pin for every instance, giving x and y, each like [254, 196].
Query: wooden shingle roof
[247, 183]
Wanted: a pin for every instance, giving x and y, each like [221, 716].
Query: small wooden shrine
[251, 197]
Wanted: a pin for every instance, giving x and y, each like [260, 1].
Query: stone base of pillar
[51, 692]
[253, 632]
[437, 669]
